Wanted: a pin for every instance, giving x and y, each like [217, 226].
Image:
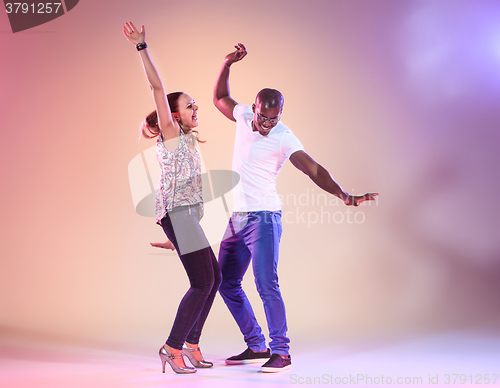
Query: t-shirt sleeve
[290, 144]
[239, 110]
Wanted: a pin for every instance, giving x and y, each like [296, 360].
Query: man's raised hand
[355, 200]
[236, 55]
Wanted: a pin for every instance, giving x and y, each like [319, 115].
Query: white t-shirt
[258, 160]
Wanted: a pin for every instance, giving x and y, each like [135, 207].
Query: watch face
[29, 14]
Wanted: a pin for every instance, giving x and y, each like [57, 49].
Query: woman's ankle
[192, 346]
[172, 350]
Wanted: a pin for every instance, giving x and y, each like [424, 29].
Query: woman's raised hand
[133, 35]
[237, 55]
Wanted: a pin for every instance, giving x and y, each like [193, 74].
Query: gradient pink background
[396, 97]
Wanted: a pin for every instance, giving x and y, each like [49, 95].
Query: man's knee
[228, 287]
[267, 285]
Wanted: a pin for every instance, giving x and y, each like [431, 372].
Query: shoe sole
[275, 370]
[245, 362]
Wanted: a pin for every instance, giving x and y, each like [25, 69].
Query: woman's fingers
[130, 30]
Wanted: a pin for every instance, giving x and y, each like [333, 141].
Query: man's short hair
[270, 98]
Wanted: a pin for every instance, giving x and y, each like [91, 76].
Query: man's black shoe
[277, 364]
[249, 357]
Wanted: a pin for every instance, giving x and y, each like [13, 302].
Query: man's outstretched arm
[222, 97]
[324, 180]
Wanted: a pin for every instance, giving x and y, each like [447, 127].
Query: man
[262, 145]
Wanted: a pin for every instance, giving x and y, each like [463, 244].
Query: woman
[179, 207]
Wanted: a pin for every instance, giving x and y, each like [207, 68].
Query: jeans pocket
[277, 222]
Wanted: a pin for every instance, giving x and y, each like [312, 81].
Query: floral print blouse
[180, 178]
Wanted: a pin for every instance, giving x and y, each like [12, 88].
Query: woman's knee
[215, 284]
[205, 286]
[217, 279]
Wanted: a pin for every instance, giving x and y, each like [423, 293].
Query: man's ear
[253, 108]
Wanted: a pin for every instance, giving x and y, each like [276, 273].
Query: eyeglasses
[264, 119]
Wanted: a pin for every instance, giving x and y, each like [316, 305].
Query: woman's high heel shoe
[165, 357]
[188, 352]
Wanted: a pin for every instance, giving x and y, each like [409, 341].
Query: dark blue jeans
[182, 225]
[255, 237]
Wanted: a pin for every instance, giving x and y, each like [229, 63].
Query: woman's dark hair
[149, 126]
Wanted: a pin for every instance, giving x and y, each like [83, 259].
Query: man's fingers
[241, 49]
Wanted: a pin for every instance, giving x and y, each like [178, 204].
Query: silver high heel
[165, 357]
[188, 352]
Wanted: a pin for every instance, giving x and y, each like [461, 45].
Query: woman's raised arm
[168, 127]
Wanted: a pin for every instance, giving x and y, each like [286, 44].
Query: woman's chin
[189, 128]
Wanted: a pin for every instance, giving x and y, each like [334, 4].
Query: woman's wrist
[141, 46]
